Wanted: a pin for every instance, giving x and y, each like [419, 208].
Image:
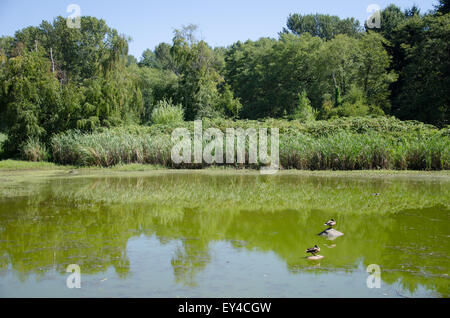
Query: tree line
[54, 78]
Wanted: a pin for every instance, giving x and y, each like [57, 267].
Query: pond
[224, 234]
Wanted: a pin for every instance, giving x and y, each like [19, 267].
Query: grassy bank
[341, 144]
[11, 165]
[26, 168]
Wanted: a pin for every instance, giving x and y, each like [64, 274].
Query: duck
[331, 223]
[313, 250]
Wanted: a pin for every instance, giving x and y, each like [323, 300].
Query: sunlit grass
[339, 151]
[135, 167]
[29, 165]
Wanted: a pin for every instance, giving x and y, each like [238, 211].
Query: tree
[246, 74]
[155, 85]
[337, 97]
[164, 59]
[374, 74]
[31, 96]
[131, 60]
[424, 84]
[339, 62]
[187, 34]
[230, 105]
[391, 17]
[112, 99]
[304, 112]
[148, 59]
[6, 45]
[199, 79]
[443, 7]
[322, 25]
[347, 63]
[77, 53]
[267, 74]
[55, 78]
[161, 58]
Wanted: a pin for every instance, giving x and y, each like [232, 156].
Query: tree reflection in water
[89, 221]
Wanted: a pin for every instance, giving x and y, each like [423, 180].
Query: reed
[166, 113]
[35, 151]
[352, 144]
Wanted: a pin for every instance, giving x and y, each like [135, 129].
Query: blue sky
[220, 22]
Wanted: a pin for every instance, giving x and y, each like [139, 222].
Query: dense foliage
[54, 79]
[322, 25]
[358, 143]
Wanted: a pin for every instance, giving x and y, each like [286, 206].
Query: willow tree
[31, 96]
[56, 78]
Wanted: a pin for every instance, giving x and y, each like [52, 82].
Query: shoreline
[24, 170]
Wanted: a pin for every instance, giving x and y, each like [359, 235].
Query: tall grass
[166, 113]
[341, 145]
[110, 148]
[35, 151]
[350, 151]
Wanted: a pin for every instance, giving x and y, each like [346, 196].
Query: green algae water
[223, 234]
